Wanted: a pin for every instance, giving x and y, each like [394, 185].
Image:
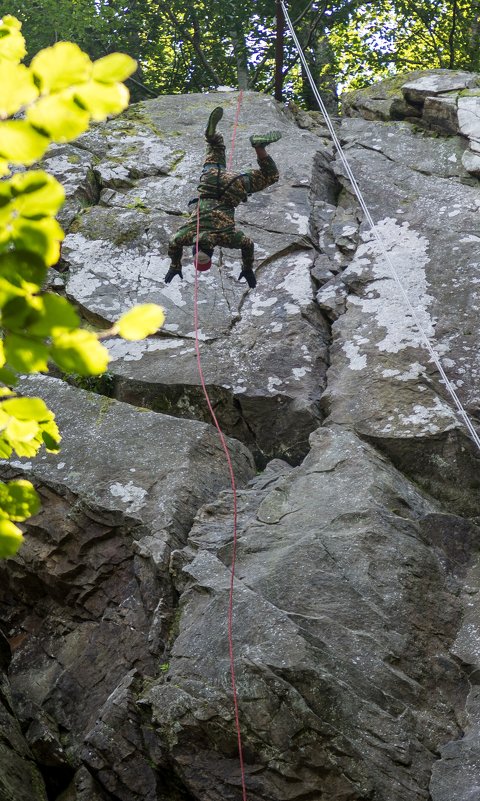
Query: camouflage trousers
[217, 217]
[223, 236]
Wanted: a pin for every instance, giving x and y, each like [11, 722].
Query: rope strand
[428, 345]
[232, 481]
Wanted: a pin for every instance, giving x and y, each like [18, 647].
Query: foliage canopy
[196, 45]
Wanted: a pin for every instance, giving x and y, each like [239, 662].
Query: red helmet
[202, 260]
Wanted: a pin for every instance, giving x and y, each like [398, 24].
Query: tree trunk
[280, 19]
[474, 38]
[241, 55]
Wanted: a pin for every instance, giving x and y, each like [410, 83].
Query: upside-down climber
[220, 191]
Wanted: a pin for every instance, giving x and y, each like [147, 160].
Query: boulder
[343, 617]
[437, 82]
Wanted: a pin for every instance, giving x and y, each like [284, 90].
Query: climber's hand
[173, 271]
[249, 276]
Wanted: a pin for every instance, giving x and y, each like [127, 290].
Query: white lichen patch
[121, 349]
[423, 420]
[129, 494]
[259, 304]
[407, 250]
[414, 372]
[297, 281]
[357, 361]
[299, 220]
[300, 372]
[273, 382]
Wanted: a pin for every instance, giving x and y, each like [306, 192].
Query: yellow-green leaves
[140, 322]
[12, 47]
[60, 117]
[18, 500]
[25, 425]
[11, 538]
[101, 99]
[36, 194]
[28, 204]
[18, 88]
[61, 66]
[112, 68]
[79, 352]
[61, 91]
[19, 142]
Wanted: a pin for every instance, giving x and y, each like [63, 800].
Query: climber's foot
[262, 140]
[213, 121]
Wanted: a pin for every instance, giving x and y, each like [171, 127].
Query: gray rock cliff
[357, 593]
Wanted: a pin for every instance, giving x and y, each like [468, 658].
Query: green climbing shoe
[262, 140]
[213, 121]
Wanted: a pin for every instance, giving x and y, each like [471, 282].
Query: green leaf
[7, 377]
[27, 409]
[79, 352]
[23, 269]
[140, 321]
[25, 355]
[60, 117]
[11, 538]
[114, 67]
[51, 435]
[12, 43]
[57, 315]
[60, 66]
[102, 99]
[17, 87]
[51, 444]
[8, 292]
[20, 312]
[18, 500]
[6, 449]
[21, 431]
[42, 237]
[20, 143]
[36, 194]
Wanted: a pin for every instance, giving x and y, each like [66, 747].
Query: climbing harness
[232, 481]
[428, 345]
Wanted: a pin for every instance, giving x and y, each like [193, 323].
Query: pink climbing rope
[232, 480]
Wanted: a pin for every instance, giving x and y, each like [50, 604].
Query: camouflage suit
[220, 191]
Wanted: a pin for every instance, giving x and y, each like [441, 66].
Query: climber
[220, 191]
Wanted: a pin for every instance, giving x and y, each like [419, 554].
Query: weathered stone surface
[446, 101]
[89, 596]
[440, 113]
[20, 779]
[344, 679]
[379, 101]
[457, 772]
[469, 115]
[437, 82]
[73, 167]
[381, 381]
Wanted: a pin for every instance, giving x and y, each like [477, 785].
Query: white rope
[428, 345]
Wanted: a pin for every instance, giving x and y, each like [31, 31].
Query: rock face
[356, 597]
[148, 164]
